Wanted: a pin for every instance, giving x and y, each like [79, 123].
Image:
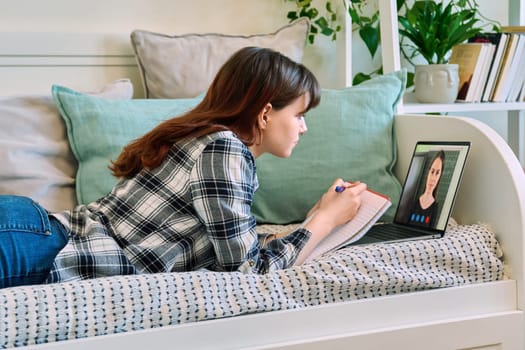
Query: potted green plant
[433, 29]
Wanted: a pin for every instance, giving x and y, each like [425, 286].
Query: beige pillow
[34, 151]
[183, 66]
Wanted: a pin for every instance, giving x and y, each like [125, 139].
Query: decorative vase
[436, 83]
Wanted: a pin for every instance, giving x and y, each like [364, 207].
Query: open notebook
[373, 206]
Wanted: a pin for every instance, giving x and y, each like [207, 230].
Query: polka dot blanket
[55, 312]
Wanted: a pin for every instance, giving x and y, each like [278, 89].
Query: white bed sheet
[47, 313]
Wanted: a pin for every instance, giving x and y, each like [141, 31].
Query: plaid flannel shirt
[191, 212]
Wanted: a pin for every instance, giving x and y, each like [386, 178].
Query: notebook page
[373, 205]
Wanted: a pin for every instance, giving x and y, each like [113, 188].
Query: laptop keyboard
[388, 232]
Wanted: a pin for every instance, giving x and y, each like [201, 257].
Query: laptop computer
[427, 196]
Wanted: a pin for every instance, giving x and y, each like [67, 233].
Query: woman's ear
[263, 117]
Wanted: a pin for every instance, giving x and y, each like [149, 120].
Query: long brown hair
[249, 80]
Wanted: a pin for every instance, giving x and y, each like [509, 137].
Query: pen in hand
[341, 188]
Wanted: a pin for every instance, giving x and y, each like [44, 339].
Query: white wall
[192, 16]
[165, 16]
[175, 16]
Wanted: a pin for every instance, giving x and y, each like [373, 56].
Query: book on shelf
[485, 68]
[521, 93]
[499, 40]
[473, 60]
[373, 206]
[518, 80]
[510, 63]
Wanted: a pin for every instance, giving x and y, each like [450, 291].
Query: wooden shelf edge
[410, 106]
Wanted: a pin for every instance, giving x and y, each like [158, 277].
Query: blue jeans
[30, 240]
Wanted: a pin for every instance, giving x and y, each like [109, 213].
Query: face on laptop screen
[431, 184]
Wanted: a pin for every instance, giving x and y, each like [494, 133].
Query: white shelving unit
[392, 62]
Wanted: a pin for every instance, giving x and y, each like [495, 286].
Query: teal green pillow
[350, 136]
[99, 128]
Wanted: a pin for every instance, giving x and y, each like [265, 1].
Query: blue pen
[339, 188]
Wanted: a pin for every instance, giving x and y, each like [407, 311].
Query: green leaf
[325, 28]
[328, 7]
[303, 3]
[360, 77]
[410, 79]
[311, 38]
[354, 16]
[292, 15]
[370, 36]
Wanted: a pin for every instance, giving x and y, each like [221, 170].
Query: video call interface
[414, 208]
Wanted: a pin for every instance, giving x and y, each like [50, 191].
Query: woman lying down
[185, 190]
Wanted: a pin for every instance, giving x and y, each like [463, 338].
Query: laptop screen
[431, 184]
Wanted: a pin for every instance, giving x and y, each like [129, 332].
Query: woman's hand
[333, 209]
[338, 207]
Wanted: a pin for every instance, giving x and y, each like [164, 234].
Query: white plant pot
[436, 83]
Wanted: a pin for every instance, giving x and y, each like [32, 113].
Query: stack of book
[492, 67]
